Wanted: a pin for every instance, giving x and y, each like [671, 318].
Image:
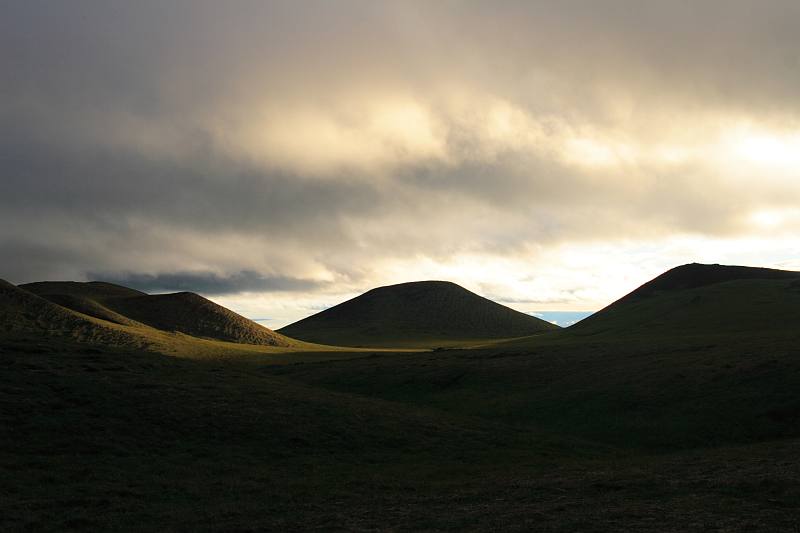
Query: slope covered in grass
[28, 320]
[703, 355]
[696, 275]
[661, 393]
[424, 313]
[690, 430]
[194, 315]
[123, 440]
[182, 312]
[126, 441]
[703, 300]
[24, 314]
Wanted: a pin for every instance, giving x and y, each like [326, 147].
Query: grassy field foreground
[674, 409]
[137, 441]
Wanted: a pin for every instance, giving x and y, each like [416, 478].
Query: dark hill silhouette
[696, 275]
[703, 299]
[182, 312]
[194, 315]
[423, 313]
[95, 290]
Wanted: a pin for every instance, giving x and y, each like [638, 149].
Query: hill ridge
[183, 312]
[431, 312]
[694, 275]
[23, 313]
[699, 297]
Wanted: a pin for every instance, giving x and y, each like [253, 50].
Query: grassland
[642, 419]
[137, 441]
[51, 313]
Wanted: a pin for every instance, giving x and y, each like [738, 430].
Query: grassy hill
[424, 313]
[26, 315]
[702, 300]
[666, 417]
[702, 355]
[95, 315]
[182, 312]
[194, 315]
[86, 298]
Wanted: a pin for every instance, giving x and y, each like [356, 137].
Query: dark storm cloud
[24, 261]
[207, 282]
[206, 190]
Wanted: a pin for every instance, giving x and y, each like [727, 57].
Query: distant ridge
[96, 290]
[182, 312]
[422, 313]
[703, 298]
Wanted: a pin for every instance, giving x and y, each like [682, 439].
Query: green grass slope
[703, 300]
[182, 312]
[26, 315]
[87, 298]
[81, 312]
[194, 315]
[424, 314]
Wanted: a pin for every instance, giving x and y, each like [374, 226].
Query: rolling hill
[703, 355]
[182, 312]
[676, 411]
[697, 299]
[423, 314]
[24, 314]
[86, 298]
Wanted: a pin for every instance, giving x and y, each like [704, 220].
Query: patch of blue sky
[562, 318]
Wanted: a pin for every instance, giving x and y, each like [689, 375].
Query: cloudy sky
[279, 157]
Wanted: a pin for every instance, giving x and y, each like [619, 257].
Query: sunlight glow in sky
[280, 157]
[771, 151]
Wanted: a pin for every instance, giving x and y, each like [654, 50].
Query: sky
[280, 157]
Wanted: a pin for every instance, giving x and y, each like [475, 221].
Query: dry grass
[182, 312]
[28, 318]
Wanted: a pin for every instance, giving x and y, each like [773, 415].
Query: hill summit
[422, 313]
[182, 312]
[703, 299]
[24, 313]
[696, 275]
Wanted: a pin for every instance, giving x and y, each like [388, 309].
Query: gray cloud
[192, 137]
[207, 282]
